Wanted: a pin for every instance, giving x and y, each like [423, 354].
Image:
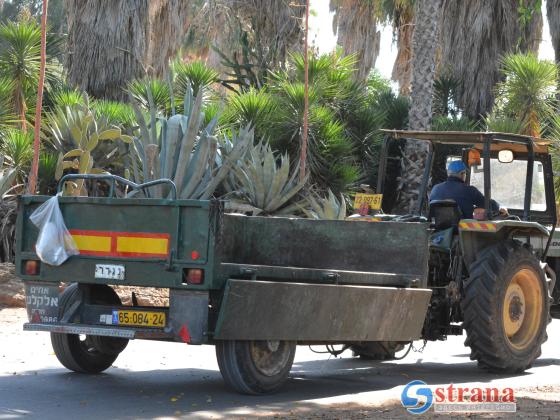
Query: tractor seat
[444, 214]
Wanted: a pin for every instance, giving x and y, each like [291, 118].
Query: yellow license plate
[373, 201]
[139, 318]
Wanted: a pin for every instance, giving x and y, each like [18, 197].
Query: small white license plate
[109, 271]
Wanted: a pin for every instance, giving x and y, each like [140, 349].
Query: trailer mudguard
[264, 310]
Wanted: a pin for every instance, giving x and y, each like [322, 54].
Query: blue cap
[456, 167]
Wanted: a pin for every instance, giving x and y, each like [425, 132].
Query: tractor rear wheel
[85, 353]
[255, 367]
[506, 308]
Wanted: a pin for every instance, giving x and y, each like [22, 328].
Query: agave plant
[263, 180]
[180, 149]
[321, 208]
[7, 178]
[76, 133]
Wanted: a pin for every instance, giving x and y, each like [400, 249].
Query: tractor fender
[477, 235]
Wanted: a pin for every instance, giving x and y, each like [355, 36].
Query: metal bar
[529, 180]
[81, 329]
[550, 201]
[487, 183]
[113, 178]
[130, 333]
[425, 178]
[310, 275]
[382, 165]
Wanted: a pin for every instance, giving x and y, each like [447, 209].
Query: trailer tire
[506, 308]
[255, 367]
[88, 354]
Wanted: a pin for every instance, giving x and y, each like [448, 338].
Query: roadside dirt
[541, 402]
[12, 291]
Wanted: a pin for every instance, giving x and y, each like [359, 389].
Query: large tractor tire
[506, 308]
[255, 367]
[377, 350]
[87, 354]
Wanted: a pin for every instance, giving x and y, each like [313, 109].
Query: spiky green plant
[66, 97]
[116, 113]
[20, 54]
[7, 117]
[444, 123]
[180, 149]
[7, 177]
[529, 90]
[501, 123]
[263, 180]
[152, 93]
[17, 147]
[325, 208]
[195, 74]
[446, 88]
[48, 163]
[254, 107]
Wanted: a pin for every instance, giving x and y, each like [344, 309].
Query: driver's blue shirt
[466, 196]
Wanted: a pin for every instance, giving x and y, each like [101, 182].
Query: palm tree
[401, 14]
[424, 44]
[553, 16]
[355, 23]
[528, 91]
[113, 42]
[475, 34]
[20, 53]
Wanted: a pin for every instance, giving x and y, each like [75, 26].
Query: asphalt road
[169, 380]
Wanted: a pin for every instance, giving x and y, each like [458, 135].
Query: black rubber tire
[94, 354]
[241, 373]
[483, 302]
[377, 350]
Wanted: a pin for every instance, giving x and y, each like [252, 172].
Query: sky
[321, 34]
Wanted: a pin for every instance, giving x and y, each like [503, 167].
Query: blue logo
[417, 400]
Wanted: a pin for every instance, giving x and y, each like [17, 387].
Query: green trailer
[252, 286]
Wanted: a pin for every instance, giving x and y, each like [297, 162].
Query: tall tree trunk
[553, 17]
[355, 23]
[272, 27]
[475, 35]
[168, 23]
[402, 69]
[424, 45]
[113, 42]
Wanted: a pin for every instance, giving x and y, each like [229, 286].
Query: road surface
[172, 380]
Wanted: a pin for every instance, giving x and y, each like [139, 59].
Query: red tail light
[194, 275]
[31, 267]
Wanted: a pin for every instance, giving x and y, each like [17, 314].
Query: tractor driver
[467, 197]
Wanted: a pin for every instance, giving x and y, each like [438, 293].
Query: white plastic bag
[54, 243]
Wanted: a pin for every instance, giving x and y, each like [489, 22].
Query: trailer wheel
[506, 308]
[377, 350]
[87, 354]
[255, 367]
